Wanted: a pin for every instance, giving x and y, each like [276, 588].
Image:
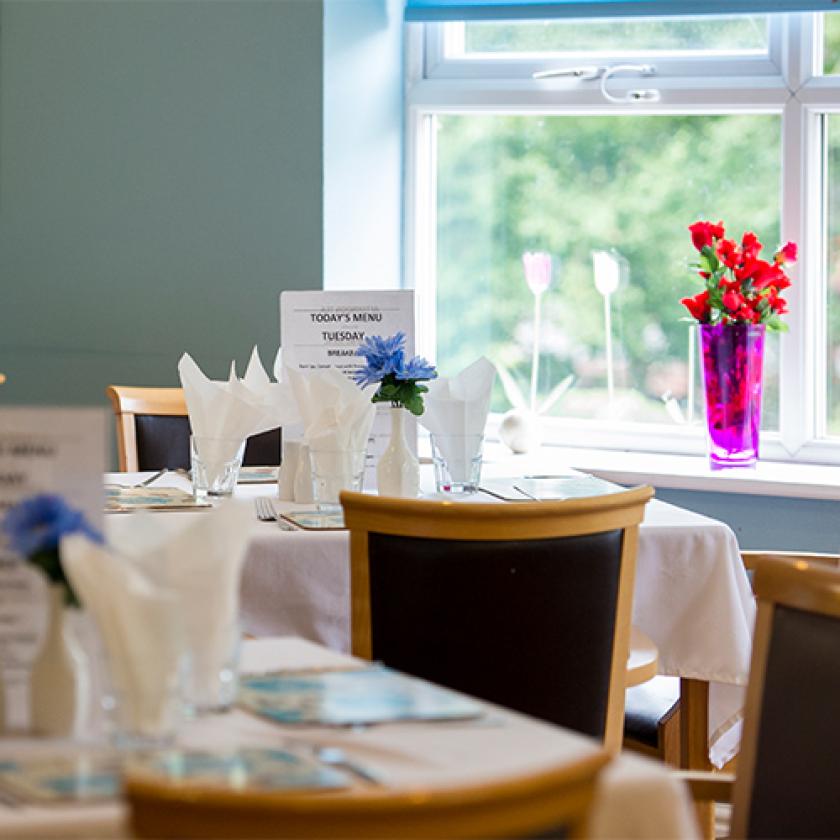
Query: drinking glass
[457, 460]
[212, 679]
[215, 464]
[333, 471]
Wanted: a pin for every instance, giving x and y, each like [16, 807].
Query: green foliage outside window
[574, 184]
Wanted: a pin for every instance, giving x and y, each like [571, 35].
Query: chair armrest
[707, 787]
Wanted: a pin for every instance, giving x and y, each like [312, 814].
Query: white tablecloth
[692, 596]
[635, 799]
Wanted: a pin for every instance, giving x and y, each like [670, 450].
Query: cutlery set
[266, 512]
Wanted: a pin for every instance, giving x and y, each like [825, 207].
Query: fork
[267, 513]
[265, 510]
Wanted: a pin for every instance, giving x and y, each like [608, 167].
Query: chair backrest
[153, 431]
[517, 806]
[525, 605]
[786, 782]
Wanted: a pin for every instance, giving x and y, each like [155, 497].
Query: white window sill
[673, 472]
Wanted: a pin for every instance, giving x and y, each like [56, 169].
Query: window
[612, 136]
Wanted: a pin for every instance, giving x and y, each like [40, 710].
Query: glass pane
[833, 271]
[576, 185]
[831, 43]
[704, 34]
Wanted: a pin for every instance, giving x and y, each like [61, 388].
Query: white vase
[398, 471]
[59, 694]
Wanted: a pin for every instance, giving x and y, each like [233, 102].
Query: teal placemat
[242, 769]
[346, 698]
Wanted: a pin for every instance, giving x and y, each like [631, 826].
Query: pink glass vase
[732, 364]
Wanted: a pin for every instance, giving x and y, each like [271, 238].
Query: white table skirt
[692, 596]
[635, 798]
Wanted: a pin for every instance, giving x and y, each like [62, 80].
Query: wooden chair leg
[694, 742]
[694, 724]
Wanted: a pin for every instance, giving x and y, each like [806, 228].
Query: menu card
[42, 450]
[321, 330]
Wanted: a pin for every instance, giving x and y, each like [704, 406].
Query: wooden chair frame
[129, 401]
[804, 581]
[518, 806]
[694, 694]
[521, 521]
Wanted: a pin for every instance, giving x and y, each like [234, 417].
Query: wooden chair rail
[517, 806]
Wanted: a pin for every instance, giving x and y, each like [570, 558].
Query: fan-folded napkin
[456, 409]
[141, 626]
[223, 414]
[199, 561]
[337, 414]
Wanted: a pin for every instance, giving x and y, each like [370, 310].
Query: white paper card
[323, 329]
[42, 450]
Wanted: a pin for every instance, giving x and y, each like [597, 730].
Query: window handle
[638, 95]
[591, 73]
[582, 74]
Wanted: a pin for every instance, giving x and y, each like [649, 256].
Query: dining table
[634, 797]
[692, 595]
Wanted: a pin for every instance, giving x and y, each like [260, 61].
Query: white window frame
[445, 59]
[786, 82]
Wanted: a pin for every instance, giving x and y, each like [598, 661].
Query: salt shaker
[303, 477]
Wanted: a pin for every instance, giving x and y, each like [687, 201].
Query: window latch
[591, 73]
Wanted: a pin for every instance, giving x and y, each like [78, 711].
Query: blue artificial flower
[38, 523]
[416, 368]
[382, 356]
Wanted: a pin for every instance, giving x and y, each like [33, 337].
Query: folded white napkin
[142, 630]
[224, 414]
[199, 560]
[457, 407]
[337, 414]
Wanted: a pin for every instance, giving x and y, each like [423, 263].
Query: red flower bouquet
[741, 299]
[740, 287]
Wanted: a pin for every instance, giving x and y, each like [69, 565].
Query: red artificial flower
[705, 233]
[733, 301]
[751, 245]
[746, 270]
[765, 274]
[777, 304]
[728, 252]
[787, 253]
[698, 306]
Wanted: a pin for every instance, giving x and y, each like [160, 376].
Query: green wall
[160, 183]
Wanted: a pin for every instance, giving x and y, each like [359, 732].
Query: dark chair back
[153, 431]
[514, 623]
[524, 605]
[786, 782]
[165, 442]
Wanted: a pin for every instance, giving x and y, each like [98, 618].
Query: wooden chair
[652, 719]
[515, 807]
[786, 785]
[153, 431]
[652, 711]
[525, 605]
